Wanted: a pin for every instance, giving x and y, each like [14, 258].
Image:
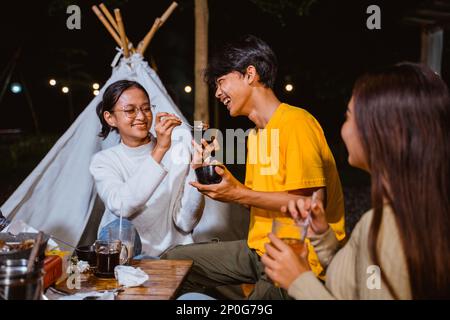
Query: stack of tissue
[94, 295]
[130, 277]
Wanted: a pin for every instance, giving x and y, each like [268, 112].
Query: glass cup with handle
[108, 253]
[126, 234]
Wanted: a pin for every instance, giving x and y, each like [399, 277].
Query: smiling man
[287, 157]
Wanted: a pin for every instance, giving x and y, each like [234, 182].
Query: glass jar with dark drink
[108, 253]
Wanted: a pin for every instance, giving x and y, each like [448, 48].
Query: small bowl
[208, 175]
[87, 253]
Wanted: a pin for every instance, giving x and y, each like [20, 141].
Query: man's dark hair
[238, 55]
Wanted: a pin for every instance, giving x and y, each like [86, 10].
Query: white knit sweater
[156, 198]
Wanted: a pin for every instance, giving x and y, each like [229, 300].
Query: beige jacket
[350, 273]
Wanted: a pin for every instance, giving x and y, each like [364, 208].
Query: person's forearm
[127, 196]
[192, 205]
[158, 154]
[272, 201]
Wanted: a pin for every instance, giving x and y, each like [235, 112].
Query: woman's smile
[139, 125]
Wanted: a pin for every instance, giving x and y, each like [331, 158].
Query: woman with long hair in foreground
[396, 128]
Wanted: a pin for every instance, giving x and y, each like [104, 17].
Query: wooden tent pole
[113, 22]
[122, 33]
[156, 25]
[168, 12]
[109, 16]
[148, 37]
[107, 25]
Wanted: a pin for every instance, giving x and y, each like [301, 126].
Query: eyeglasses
[132, 112]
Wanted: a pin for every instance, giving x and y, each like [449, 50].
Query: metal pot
[18, 284]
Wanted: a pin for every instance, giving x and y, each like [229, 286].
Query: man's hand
[203, 152]
[228, 190]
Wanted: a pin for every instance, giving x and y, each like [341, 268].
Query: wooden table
[165, 278]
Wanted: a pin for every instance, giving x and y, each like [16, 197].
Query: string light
[16, 88]
[96, 92]
[65, 89]
[289, 87]
[95, 86]
[52, 82]
[188, 89]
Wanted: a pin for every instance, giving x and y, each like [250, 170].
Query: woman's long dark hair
[403, 116]
[110, 98]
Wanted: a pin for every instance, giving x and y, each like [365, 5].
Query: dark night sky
[321, 53]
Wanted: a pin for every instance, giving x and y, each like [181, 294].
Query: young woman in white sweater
[143, 178]
[397, 129]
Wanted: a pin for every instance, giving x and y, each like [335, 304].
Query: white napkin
[107, 295]
[129, 276]
[82, 266]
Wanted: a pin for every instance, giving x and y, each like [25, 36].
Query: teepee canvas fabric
[59, 196]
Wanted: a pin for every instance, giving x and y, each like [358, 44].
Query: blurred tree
[56, 6]
[201, 60]
[280, 8]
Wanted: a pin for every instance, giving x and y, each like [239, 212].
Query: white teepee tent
[59, 196]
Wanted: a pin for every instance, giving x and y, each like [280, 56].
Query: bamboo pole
[123, 36]
[107, 25]
[109, 16]
[168, 12]
[149, 36]
[113, 22]
[156, 25]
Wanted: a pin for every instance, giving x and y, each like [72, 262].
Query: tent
[59, 195]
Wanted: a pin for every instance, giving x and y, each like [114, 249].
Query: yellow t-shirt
[291, 153]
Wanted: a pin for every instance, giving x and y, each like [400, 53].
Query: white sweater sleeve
[130, 195]
[191, 207]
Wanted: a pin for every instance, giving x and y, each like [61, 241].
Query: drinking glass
[289, 232]
[127, 236]
[108, 256]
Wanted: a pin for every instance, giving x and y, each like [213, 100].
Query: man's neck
[265, 103]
